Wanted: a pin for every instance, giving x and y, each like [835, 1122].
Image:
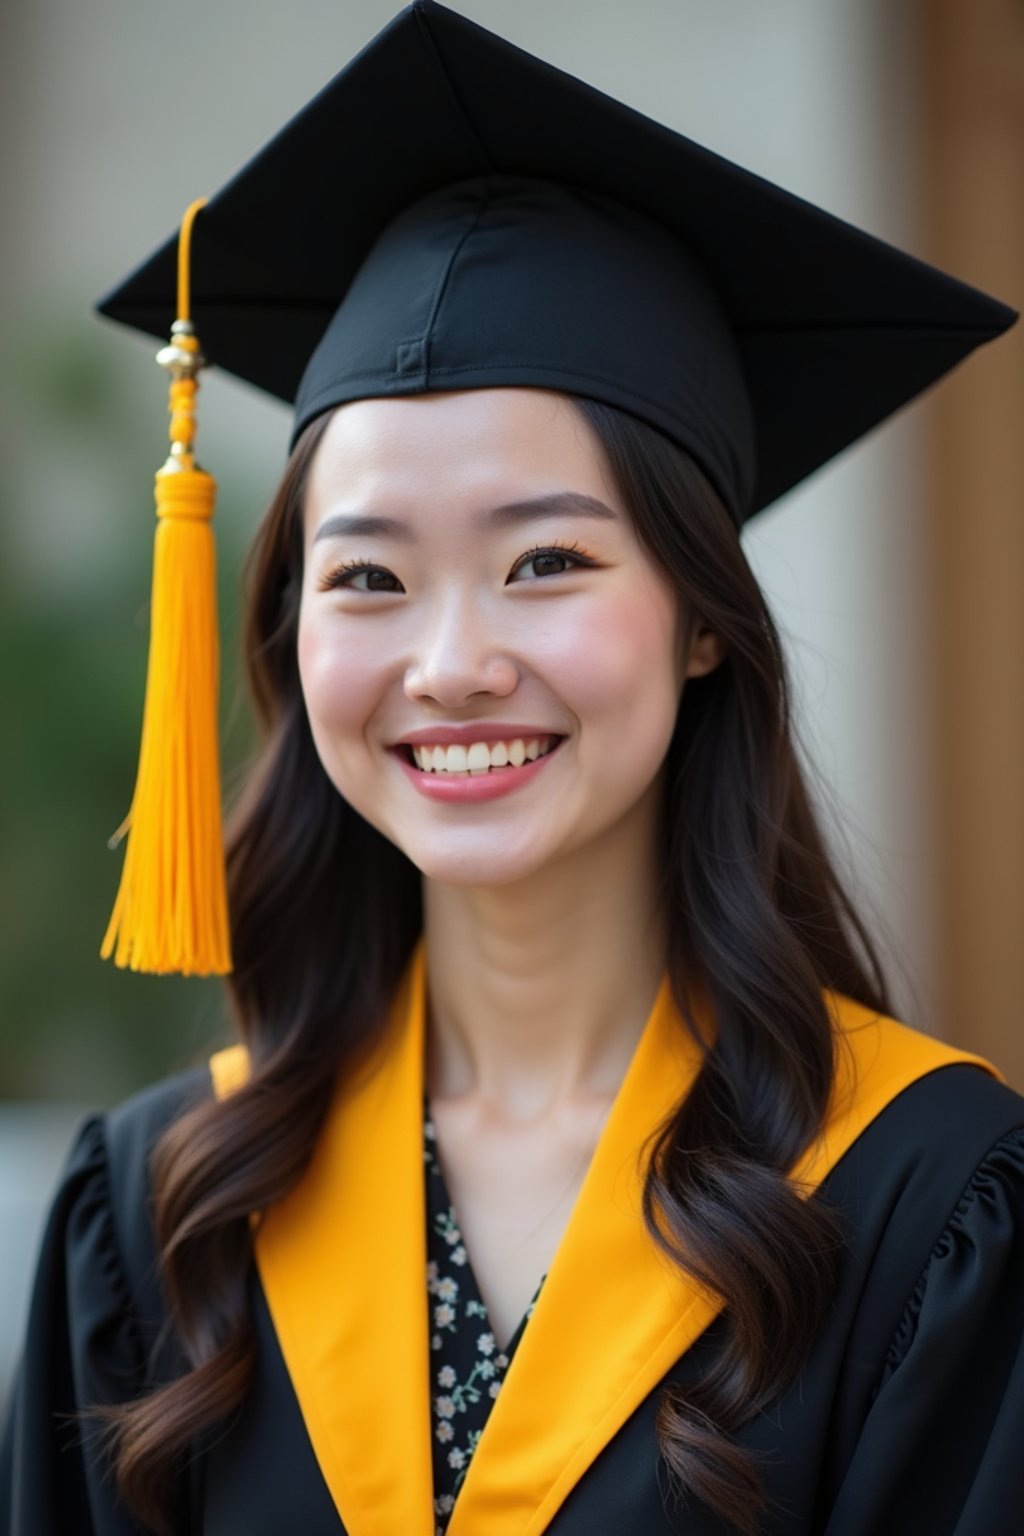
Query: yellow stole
[342, 1261]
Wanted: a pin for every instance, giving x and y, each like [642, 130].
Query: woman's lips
[470, 788]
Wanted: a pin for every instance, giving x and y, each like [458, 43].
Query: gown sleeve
[941, 1452]
[82, 1347]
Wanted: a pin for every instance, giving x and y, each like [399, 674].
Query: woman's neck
[537, 992]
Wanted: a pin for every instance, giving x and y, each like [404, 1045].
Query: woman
[544, 977]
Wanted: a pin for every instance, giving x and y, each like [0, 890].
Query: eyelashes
[342, 575]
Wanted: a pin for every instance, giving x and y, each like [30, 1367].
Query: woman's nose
[457, 654]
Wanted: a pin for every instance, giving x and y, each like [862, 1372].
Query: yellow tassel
[171, 908]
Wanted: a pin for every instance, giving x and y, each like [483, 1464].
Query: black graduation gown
[907, 1417]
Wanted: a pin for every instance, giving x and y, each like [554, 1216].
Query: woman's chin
[476, 868]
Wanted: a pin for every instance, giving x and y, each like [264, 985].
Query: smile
[489, 770]
[481, 757]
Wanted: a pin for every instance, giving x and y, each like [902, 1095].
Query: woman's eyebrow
[509, 514]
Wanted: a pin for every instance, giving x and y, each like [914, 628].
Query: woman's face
[500, 595]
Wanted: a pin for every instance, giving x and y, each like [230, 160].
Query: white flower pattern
[468, 1367]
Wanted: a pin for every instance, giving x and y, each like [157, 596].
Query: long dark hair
[325, 912]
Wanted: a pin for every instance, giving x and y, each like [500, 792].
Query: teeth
[482, 756]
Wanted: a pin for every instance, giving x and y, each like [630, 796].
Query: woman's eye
[347, 575]
[553, 559]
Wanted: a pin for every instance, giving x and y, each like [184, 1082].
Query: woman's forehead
[470, 448]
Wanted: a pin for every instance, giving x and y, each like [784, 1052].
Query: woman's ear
[706, 650]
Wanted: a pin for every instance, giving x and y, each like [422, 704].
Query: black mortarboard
[451, 212]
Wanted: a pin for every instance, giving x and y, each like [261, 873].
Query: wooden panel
[972, 160]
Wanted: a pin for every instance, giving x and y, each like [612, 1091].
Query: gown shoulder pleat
[940, 1450]
[92, 1321]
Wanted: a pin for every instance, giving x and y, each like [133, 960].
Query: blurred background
[896, 574]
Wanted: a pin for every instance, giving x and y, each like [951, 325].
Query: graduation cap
[450, 212]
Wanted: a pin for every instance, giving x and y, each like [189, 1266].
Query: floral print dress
[466, 1366]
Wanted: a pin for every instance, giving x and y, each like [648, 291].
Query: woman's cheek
[338, 680]
[619, 670]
